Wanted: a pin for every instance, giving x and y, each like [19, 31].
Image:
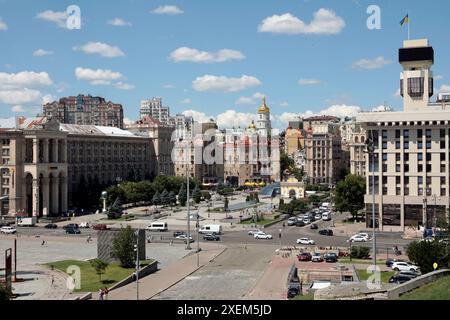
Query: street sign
[435, 266]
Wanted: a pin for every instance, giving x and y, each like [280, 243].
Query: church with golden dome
[263, 125]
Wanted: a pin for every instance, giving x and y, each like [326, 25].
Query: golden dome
[252, 125]
[264, 108]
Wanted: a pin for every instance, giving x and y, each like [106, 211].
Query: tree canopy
[350, 195]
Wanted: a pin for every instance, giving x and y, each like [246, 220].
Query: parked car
[390, 262]
[357, 238]
[211, 237]
[100, 227]
[262, 235]
[306, 220]
[404, 266]
[326, 232]
[306, 241]
[331, 258]
[252, 232]
[51, 226]
[84, 225]
[318, 216]
[293, 292]
[73, 231]
[71, 226]
[305, 256]
[316, 257]
[314, 226]
[412, 274]
[8, 230]
[399, 279]
[291, 221]
[300, 223]
[178, 233]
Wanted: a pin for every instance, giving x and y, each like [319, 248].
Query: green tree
[156, 199]
[100, 267]
[314, 199]
[350, 195]
[197, 195]
[123, 247]
[182, 197]
[165, 197]
[360, 252]
[425, 254]
[172, 198]
[206, 195]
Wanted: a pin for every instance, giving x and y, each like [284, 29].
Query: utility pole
[137, 264]
[188, 247]
[371, 152]
[198, 240]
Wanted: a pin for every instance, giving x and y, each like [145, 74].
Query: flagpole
[408, 28]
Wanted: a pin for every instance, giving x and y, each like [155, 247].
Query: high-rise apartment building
[155, 109]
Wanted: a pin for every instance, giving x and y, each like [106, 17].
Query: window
[428, 156]
[420, 191]
[442, 133]
[384, 145]
[443, 192]
[406, 145]
[419, 133]
[398, 191]
[397, 134]
[384, 156]
[385, 134]
[406, 180]
[397, 180]
[428, 145]
[406, 155]
[428, 168]
[420, 168]
[406, 168]
[406, 134]
[419, 180]
[442, 181]
[397, 168]
[420, 145]
[442, 156]
[428, 133]
[442, 144]
[416, 87]
[420, 157]
[397, 157]
[442, 168]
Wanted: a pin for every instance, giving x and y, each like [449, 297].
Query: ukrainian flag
[405, 20]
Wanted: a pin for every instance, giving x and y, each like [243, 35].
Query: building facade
[409, 170]
[85, 110]
[154, 108]
[358, 155]
[44, 162]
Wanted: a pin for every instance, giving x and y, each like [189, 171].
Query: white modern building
[411, 167]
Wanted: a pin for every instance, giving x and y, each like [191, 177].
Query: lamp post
[137, 264]
[188, 246]
[371, 152]
[104, 195]
[198, 240]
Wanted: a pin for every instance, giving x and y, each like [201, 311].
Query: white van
[211, 228]
[326, 206]
[158, 226]
[326, 216]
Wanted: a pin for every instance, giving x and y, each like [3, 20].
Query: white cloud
[127, 121]
[232, 118]
[20, 96]
[170, 10]
[42, 52]
[438, 77]
[371, 64]
[98, 76]
[193, 55]
[17, 108]
[325, 21]
[119, 22]
[103, 49]
[197, 115]
[168, 86]
[224, 84]
[186, 101]
[284, 104]
[341, 110]
[3, 25]
[397, 94]
[254, 99]
[48, 98]
[309, 82]
[24, 79]
[444, 89]
[59, 18]
[381, 109]
[124, 86]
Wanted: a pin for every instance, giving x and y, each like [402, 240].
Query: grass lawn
[385, 275]
[309, 296]
[361, 261]
[438, 290]
[89, 278]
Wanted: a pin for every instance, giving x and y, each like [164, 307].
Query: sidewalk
[272, 284]
[169, 276]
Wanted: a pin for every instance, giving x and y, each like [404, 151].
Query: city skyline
[211, 60]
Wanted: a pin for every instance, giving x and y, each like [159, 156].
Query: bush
[123, 247]
[4, 294]
[360, 253]
[425, 254]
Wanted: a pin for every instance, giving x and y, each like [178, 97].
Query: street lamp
[136, 248]
[104, 195]
[371, 152]
[188, 246]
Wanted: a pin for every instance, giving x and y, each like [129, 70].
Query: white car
[8, 230]
[306, 241]
[358, 238]
[404, 266]
[262, 235]
[318, 216]
[252, 232]
[307, 220]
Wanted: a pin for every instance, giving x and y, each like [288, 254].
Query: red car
[100, 227]
[305, 256]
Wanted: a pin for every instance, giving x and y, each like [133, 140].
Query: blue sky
[268, 48]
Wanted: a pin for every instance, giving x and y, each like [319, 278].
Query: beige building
[357, 146]
[292, 188]
[410, 167]
[43, 162]
[161, 135]
[325, 159]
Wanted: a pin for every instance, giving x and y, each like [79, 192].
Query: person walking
[105, 293]
[53, 280]
[100, 294]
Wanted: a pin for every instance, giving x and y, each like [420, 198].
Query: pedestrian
[105, 292]
[100, 294]
[53, 280]
[43, 242]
